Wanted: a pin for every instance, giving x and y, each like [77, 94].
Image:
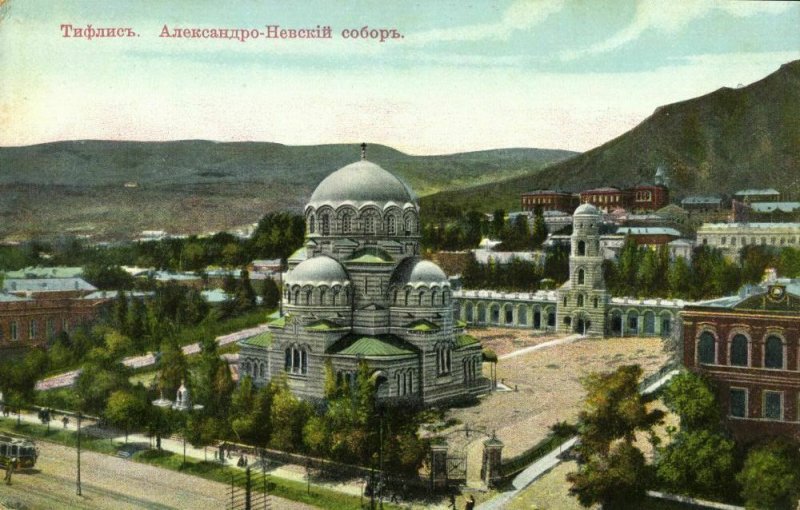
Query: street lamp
[78, 481]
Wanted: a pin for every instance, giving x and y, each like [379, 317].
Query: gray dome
[587, 209]
[419, 272]
[362, 181]
[317, 270]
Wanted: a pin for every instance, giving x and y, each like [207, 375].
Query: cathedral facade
[359, 291]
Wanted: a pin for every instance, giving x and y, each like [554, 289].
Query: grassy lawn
[57, 434]
[288, 489]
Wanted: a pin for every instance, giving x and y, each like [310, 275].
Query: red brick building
[749, 345]
[34, 310]
[649, 197]
[549, 200]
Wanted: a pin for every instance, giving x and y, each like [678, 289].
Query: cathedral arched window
[581, 274]
[421, 295]
[408, 295]
[434, 294]
[580, 299]
[346, 224]
[443, 359]
[296, 360]
[390, 225]
[369, 224]
[581, 248]
[326, 225]
[311, 224]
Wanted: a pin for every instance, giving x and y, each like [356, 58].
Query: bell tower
[583, 299]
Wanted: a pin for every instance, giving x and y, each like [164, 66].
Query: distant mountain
[718, 143]
[113, 190]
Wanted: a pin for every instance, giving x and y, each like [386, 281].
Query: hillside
[79, 187]
[724, 141]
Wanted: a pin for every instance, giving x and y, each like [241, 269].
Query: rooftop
[372, 346]
[767, 191]
[773, 206]
[648, 231]
[46, 272]
[261, 340]
[47, 285]
[701, 200]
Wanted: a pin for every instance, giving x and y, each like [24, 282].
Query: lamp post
[78, 481]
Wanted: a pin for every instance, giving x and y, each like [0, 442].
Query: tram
[24, 450]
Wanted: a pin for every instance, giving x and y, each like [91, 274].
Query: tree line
[700, 458]
[468, 228]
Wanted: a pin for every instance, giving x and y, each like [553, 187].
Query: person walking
[10, 470]
[470, 503]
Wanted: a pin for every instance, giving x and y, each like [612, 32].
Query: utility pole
[78, 481]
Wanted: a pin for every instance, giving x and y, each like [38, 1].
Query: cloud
[671, 17]
[521, 15]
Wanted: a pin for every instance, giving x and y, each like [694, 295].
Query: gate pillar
[492, 459]
[438, 466]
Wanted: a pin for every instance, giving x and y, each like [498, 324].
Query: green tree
[271, 294]
[288, 418]
[121, 313]
[692, 398]
[173, 368]
[771, 476]
[679, 279]
[617, 480]
[539, 230]
[126, 410]
[614, 409]
[698, 463]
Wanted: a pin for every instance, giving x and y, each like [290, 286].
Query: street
[112, 483]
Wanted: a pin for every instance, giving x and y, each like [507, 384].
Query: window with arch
[706, 350]
[322, 295]
[263, 371]
[369, 224]
[581, 276]
[420, 297]
[296, 360]
[443, 359]
[594, 302]
[565, 300]
[391, 228]
[407, 297]
[311, 224]
[773, 352]
[325, 224]
[580, 299]
[445, 297]
[739, 354]
[346, 224]
[581, 248]
[410, 226]
[434, 295]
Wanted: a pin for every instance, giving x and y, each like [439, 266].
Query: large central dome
[362, 181]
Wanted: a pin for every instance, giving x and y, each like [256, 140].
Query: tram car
[24, 450]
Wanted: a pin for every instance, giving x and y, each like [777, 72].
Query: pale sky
[465, 76]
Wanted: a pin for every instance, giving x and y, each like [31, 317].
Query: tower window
[581, 248]
[580, 276]
[369, 225]
[390, 226]
[346, 224]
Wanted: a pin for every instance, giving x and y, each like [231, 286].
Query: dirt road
[112, 483]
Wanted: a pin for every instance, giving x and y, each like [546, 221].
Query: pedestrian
[470, 503]
[65, 421]
[10, 470]
[245, 461]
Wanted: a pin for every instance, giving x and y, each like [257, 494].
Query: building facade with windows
[732, 237]
[34, 310]
[749, 345]
[358, 291]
